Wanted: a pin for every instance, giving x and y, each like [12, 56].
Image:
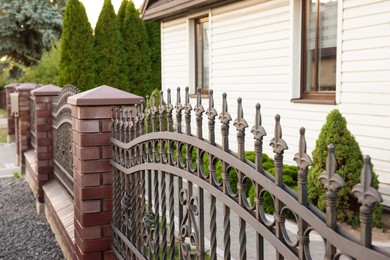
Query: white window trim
[296, 49]
[191, 48]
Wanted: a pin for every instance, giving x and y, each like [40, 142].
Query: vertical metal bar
[303, 161]
[211, 114]
[258, 132]
[278, 145]
[225, 118]
[171, 194]
[332, 182]
[162, 111]
[199, 110]
[240, 124]
[179, 108]
[367, 196]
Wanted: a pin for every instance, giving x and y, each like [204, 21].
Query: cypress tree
[153, 30]
[349, 161]
[109, 53]
[77, 53]
[135, 45]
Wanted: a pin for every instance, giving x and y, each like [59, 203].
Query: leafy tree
[47, 71]
[349, 160]
[27, 28]
[153, 29]
[109, 52]
[77, 66]
[136, 50]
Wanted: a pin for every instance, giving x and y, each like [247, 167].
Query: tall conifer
[154, 42]
[77, 52]
[109, 52]
[135, 45]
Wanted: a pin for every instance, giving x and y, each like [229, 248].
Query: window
[319, 49]
[202, 54]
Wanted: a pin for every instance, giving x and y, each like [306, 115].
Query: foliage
[47, 70]
[77, 65]
[109, 52]
[154, 42]
[290, 175]
[137, 64]
[27, 28]
[349, 160]
[16, 175]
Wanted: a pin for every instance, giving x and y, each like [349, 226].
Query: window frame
[315, 95]
[197, 21]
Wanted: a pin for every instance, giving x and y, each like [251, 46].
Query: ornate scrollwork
[189, 228]
[149, 222]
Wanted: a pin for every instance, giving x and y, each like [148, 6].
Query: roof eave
[179, 8]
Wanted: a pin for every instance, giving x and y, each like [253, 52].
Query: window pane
[321, 45]
[328, 43]
[205, 55]
[202, 53]
[311, 46]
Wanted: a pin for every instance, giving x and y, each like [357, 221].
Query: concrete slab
[8, 164]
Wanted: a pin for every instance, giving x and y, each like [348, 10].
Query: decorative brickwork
[11, 120]
[22, 121]
[92, 187]
[42, 100]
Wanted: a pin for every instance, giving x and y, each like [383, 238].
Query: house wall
[254, 52]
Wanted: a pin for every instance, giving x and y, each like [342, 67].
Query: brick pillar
[42, 98]
[11, 120]
[22, 135]
[91, 116]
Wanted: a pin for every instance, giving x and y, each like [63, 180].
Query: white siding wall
[365, 78]
[174, 58]
[251, 58]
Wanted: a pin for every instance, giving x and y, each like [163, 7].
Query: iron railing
[62, 138]
[169, 201]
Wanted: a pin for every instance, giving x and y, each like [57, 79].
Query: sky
[93, 8]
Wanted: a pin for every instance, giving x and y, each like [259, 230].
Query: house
[298, 58]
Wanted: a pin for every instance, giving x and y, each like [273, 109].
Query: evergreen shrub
[349, 160]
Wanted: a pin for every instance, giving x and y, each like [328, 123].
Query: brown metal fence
[62, 138]
[169, 201]
[3, 104]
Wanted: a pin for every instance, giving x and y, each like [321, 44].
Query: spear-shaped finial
[302, 159]
[258, 130]
[161, 107]
[240, 123]
[198, 108]
[329, 178]
[277, 143]
[187, 105]
[211, 112]
[364, 192]
[169, 106]
[178, 106]
[224, 116]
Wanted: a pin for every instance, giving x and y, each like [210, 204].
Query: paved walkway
[7, 156]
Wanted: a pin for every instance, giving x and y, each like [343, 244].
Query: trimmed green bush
[154, 42]
[349, 160]
[77, 64]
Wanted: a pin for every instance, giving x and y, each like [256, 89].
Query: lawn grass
[3, 135]
[3, 113]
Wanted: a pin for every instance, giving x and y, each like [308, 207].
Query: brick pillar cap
[47, 90]
[104, 96]
[27, 86]
[12, 85]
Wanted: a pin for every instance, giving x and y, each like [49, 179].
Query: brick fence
[82, 221]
